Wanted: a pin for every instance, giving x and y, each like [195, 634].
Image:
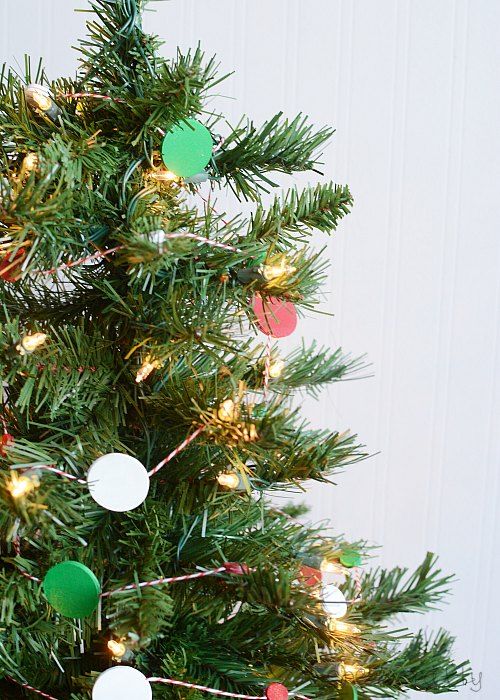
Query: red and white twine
[175, 452]
[214, 691]
[81, 261]
[169, 236]
[59, 472]
[93, 95]
[169, 579]
[356, 574]
[267, 365]
[17, 548]
[26, 686]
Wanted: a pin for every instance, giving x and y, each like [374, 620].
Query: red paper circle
[276, 691]
[310, 576]
[10, 266]
[234, 567]
[275, 317]
[7, 440]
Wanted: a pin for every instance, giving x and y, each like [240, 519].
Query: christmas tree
[147, 406]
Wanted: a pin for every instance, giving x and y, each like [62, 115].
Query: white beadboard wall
[412, 88]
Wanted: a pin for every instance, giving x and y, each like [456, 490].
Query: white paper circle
[334, 601]
[122, 683]
[118, 482]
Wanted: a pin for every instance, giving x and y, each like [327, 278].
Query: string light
[30, 162]
[39, 99]
[30, 343]
[276, 368]
[227, 411]
[163, 175]
[351, 672]
[118, 649]
[340, 627]
[146, 368]
[20, 486]
[328, 566]
[282, 269]
[229, 480]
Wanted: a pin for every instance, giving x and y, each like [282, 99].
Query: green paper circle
[348, 692]
[72, 589]
[187, 148]
[350, 558]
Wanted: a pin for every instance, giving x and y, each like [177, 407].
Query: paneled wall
[412, 88]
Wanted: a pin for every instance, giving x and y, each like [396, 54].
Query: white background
[412, 88]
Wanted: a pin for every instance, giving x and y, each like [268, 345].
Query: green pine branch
[293, 217]
[387, 592]
[249, 154]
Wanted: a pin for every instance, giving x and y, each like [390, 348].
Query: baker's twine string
[169, 236]
[356, 574]
[55, 470]
[214, 691]
[93, 95]
[81, 261]
[267, 365]
[27, 686]
[152, 472]
[225, 568]
[175, 452]
[17, 548]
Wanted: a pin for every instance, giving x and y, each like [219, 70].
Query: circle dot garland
[334, 601]
[350, 558]
[187, 148]
[118, 482]
[276, 691]
[10, 265]
[122, 683]
[72, 589]
[275, 317]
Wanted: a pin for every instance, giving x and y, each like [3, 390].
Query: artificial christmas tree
[147, 412]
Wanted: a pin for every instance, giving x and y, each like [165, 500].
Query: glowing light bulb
[328, 566]
[227, 411]
[351, 672]
[340, 627]
[20, 486]
[250, 433]
[39, 98]
[276, 368]
[163, 175]
[30, 162]
[230, 480]
[118, 649]
[281, 269]
[30, 343]
[146, 368]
